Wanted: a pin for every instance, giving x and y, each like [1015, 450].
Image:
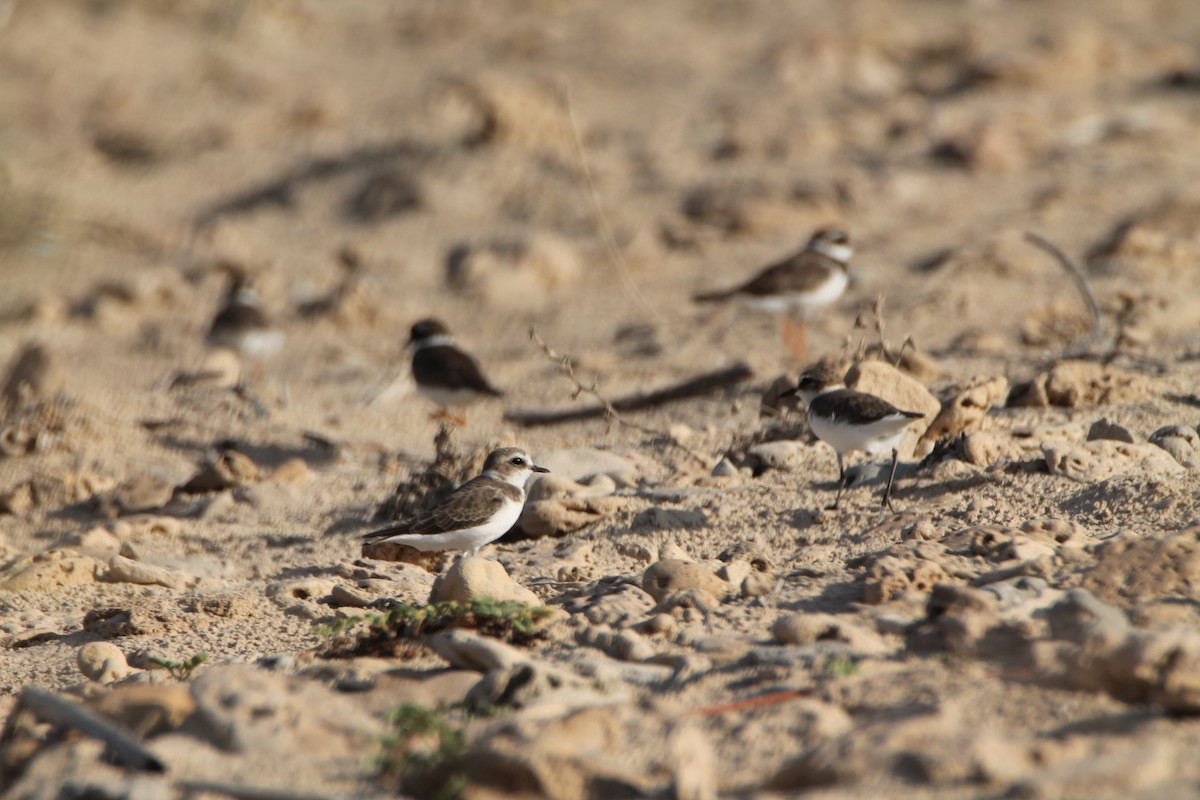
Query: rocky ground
[181, 560]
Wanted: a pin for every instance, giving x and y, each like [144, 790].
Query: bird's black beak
[790, 392]
[536, 468]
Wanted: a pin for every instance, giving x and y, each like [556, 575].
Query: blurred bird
[480, 511]
[445, 373]
[804, 282]
[242, 323]
[849, 420]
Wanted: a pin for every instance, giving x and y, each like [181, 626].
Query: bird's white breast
[881, 436]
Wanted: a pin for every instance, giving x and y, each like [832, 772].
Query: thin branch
[1077, 276]
[610, 410]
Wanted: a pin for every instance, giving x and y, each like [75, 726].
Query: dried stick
[241, 792]
[50, 707]
[610, 409]
[769, 699]
[1077, 276]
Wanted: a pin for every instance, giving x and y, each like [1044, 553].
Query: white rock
[471, 578]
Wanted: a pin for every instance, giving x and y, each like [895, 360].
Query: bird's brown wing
[857, 408]
[447, 366]
[800, 272]
[472, 504]
[238, 317]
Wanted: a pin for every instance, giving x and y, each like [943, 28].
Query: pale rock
[471, 578]
[291, 472]
[621, 645]
[801, 628]
[1104, 458]
[127, 570]
[780, 454]
[612, 604]
[965, 408]
[735, 571]
[984, 448]
[1081, 383]
[149, 709]
[672, 550]
[694, 762]
[757, 584]
[34, 374]
[102, 662]
[1181, 441]
[688, 600]
[351, 596]
[251, 711]
[97, 542]
[670, 576]
[48, 571]
[559, 517]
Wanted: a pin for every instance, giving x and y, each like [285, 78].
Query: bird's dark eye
[517, 461]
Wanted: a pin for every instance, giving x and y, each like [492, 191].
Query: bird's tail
[375, 536]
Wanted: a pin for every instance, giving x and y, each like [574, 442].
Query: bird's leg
[887, 493]
[841, 485]
[795, 337]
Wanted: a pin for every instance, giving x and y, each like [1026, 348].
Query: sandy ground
[146, 143]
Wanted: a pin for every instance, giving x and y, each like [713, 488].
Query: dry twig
[611, 410]
[1077, 276]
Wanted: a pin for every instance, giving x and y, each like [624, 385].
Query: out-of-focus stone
[471, 578]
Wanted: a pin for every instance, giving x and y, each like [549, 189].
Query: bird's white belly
[465, 538]
[801, 303]
[261, 344]
[881, 436]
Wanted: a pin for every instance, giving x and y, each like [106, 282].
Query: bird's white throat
[431, 341]
[841, 253]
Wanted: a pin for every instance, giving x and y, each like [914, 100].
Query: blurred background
[584, 167]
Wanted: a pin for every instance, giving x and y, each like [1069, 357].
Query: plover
[242, 324]
[804, 282]
[443, 372]
[848, 420]
[480, 511]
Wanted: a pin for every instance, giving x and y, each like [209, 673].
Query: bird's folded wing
[451, 368]
[801, 272]
[469, 507]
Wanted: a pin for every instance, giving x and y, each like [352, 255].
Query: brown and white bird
[480, 511]
[444, 372]
[242, 323]
[849, 420]
[804, 282]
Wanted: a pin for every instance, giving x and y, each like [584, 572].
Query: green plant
[839, 666]
[398, 632]
[424, 752]
[181, 670]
